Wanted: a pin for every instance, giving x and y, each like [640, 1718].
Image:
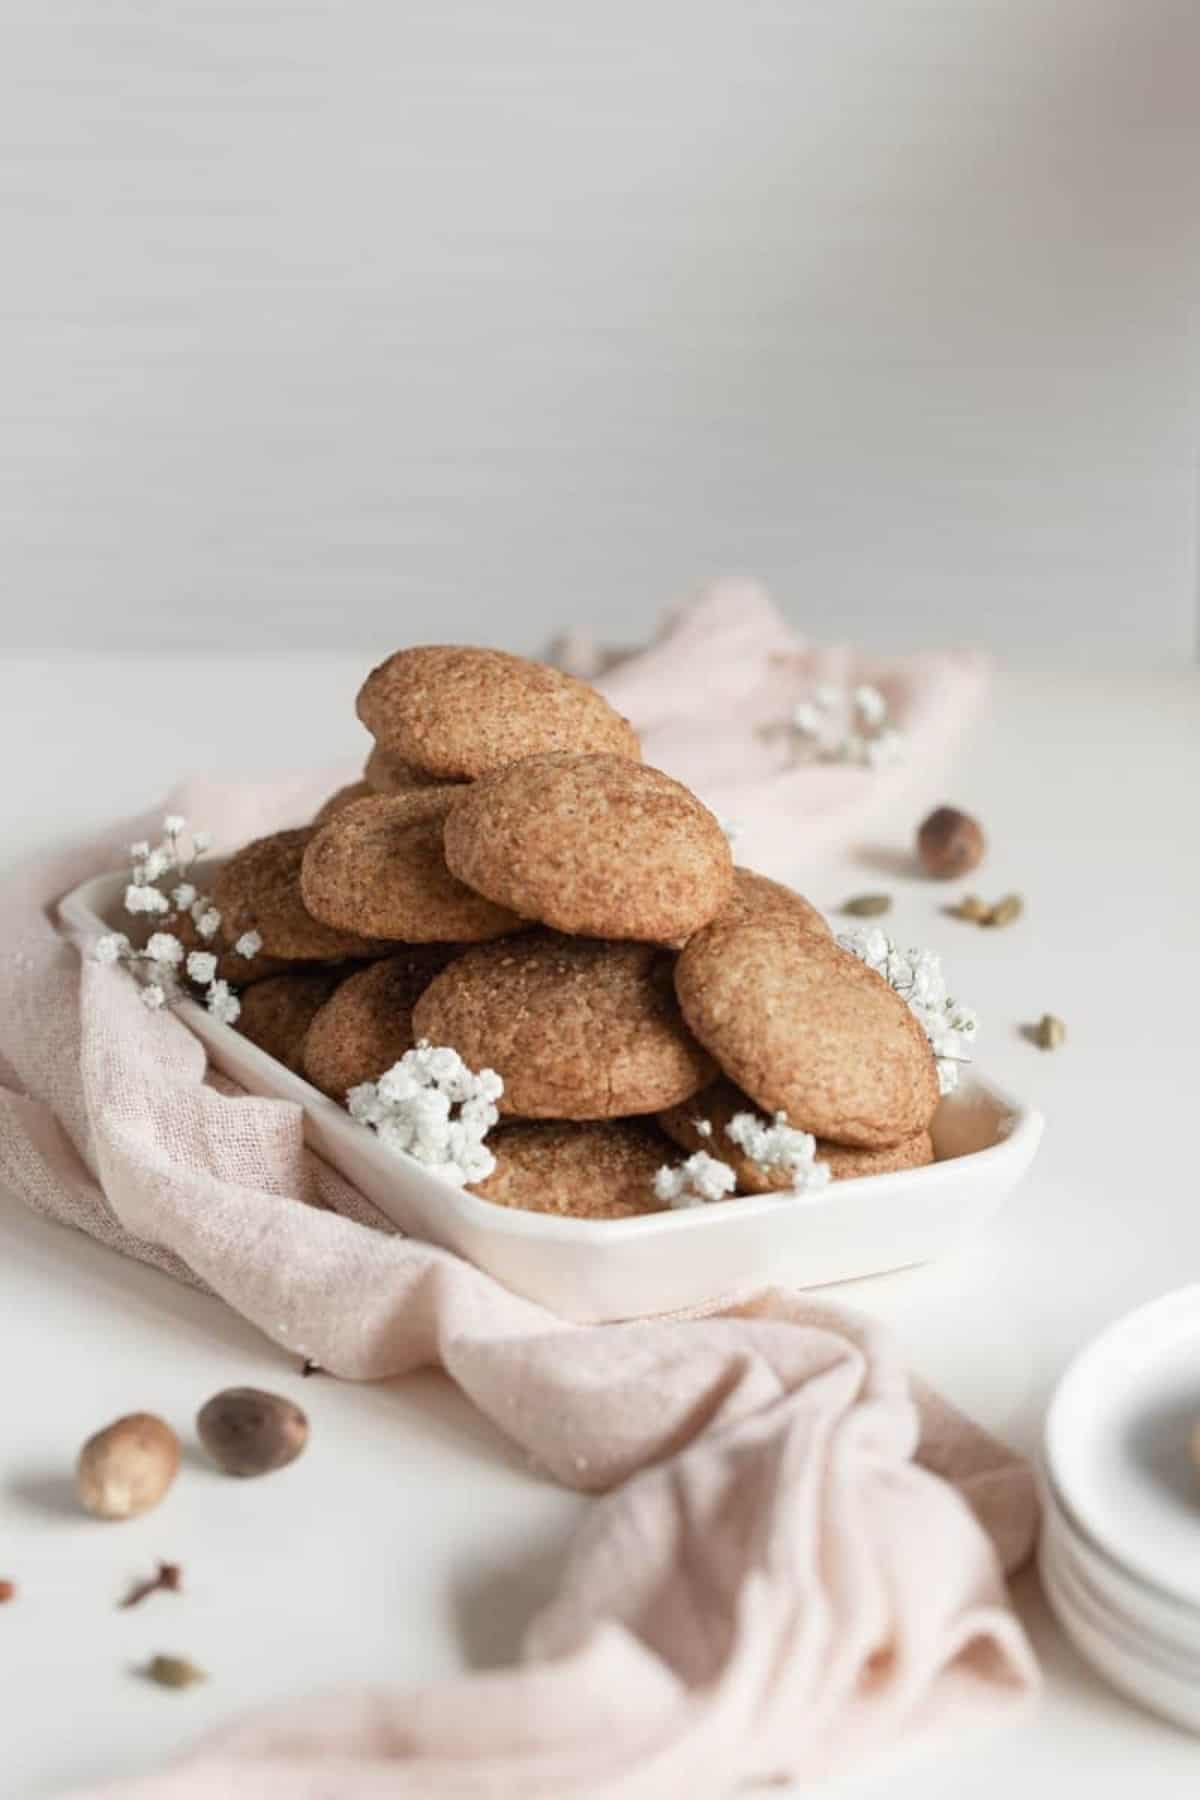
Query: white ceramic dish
[591, 1271]
[1162, 1625]
[1121, 1505]
[1167, 1685]
[1116, 1445]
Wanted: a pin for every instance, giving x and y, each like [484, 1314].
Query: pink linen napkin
[797, 1554]
[712, 697]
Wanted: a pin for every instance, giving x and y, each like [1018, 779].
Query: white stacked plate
[1120, 1547]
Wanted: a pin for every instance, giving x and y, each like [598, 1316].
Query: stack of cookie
[509, 879]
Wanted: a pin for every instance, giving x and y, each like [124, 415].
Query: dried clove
[868, 906]
[169, 1579]
[173, 1672]
[310, 1367]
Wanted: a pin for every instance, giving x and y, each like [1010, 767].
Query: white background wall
[358, 320]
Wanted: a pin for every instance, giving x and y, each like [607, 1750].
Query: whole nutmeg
[126, 1469]
[950, 843]
[249, 1432]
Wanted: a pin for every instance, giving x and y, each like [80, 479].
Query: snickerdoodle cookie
[758, 897]
[388, 774]
[277, 1013]
[577, 1029]
[258, 889]
[378, 865]
[343, 796]
[845, 1162]
[456, 712]
[597, 846]
[700, 1124]
[809, 1030]
[603, 1170]
[366, 1026]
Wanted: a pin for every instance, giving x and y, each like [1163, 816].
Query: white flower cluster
[917, 975]
[779, 1146]
[436, 1109]
[158, 963]
[854, 727]
[695, 1182]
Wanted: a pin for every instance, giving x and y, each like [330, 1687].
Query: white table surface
[410, 1541]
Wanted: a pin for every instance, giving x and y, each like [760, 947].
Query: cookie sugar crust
[599, 1170]
[578, 1029]
[379, 864]
[597, 846]
[807, 1029]
[454, 712]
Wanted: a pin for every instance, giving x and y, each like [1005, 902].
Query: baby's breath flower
[917, 976]
[202, 841]
[249, 944]
[849, 727]
[883, 751]
[222, 1002]
[365, 1103]
[431, 1106]
[488, 1085]
[870, 705]
[164, 953]
[111, 948]
[780, 1146]
[695, 1182]
[140, 898]
[164, 947]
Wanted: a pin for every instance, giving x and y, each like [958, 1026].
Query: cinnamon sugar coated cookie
[277, 1013]
[366, 1025]
[387, 774]
[456, 712]
[758, 897]
[577, 1029]
[598, 846]
[379, 866]
[718, 1104]
[343, 796]
[809, 1030]
[845, 1162]
[258, 889]
[581, 1171]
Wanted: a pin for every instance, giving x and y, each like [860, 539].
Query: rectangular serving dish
[591, 1271]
